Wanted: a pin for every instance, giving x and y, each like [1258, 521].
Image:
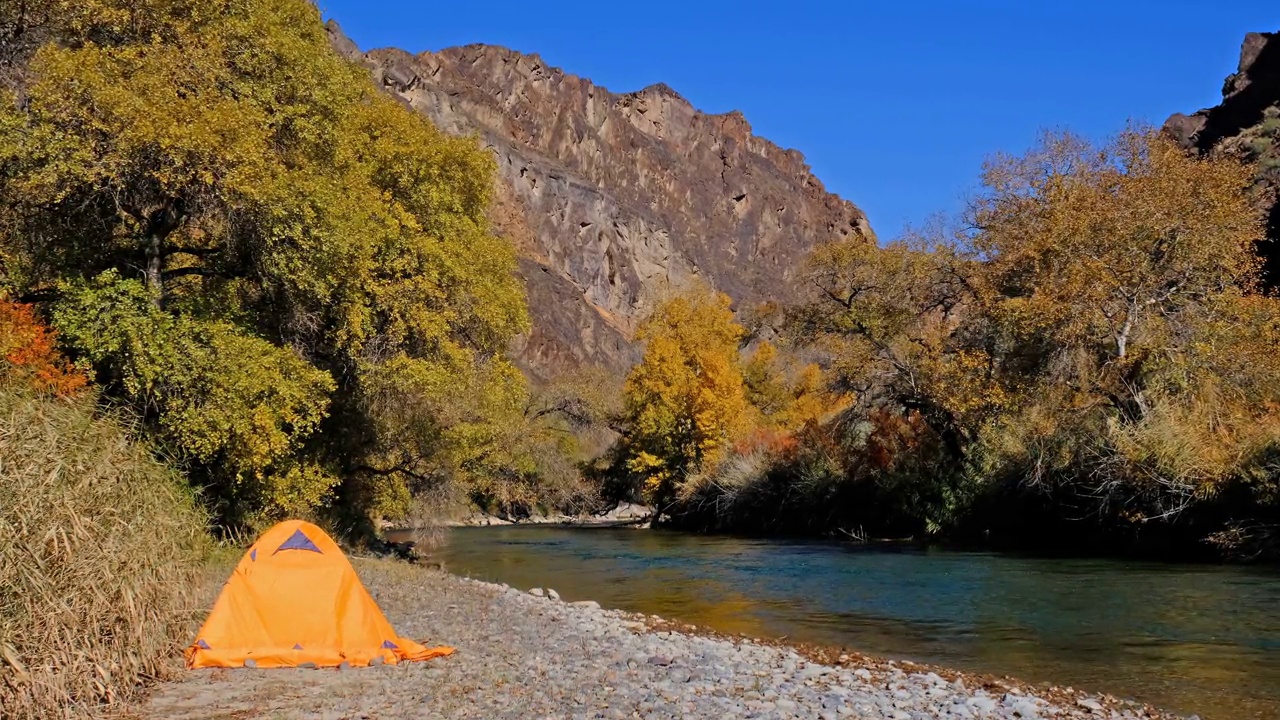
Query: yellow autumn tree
[301, 260]
[787, 392]
[1092, 330]
[888, 318]
[685, 402]
[1119, 281]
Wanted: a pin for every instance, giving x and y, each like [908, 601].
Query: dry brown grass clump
[99, 545]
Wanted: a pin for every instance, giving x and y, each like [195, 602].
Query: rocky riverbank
[530, 655]
[623, 515]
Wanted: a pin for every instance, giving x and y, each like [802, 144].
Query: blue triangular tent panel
[297, 646]
[253, 554]
[202, 644]
[298, 541]
[390, 645]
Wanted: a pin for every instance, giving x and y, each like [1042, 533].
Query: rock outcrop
[616, 199]
[1246, 124]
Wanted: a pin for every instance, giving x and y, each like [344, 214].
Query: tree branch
[38, 296]
[386, 472]
[198, 252]
[201, 272]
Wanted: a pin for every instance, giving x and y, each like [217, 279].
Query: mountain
[615, 199]
[1246, 124]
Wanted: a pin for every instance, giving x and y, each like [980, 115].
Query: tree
[1120, 282]
[233, 407]
[787, 393]
[685, 402]
[891, 319]
[1108, 247]
[562, 424]
[276, 209]
[1092, 331]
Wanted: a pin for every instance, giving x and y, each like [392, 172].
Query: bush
[230, 407]
[99, 545]
[27, 351]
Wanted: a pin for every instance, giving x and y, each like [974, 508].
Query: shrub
[232, 408]
[99, 545]
[27, 351]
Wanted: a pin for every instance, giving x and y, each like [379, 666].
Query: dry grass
[99, 547]
[429, 509]
[728, 479]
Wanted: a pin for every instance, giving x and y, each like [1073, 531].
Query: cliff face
[1246, 124]
[615, 200]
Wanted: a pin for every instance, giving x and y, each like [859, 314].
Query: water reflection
[1187, 638]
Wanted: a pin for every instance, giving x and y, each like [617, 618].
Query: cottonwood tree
[282, 218]
[1093, 328]
[1113, 250]
[889, 318]
[1122, 279]
[685, 402]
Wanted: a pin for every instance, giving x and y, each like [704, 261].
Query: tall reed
[100, 545]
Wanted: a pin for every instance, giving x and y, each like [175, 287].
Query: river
[1187, 638]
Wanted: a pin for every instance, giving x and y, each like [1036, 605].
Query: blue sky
[895, 104]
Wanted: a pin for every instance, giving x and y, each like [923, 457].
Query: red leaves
[894, 434]
[27, 347]
[776, 443]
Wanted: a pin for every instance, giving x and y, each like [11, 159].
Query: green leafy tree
[278, 214]
[220, 398]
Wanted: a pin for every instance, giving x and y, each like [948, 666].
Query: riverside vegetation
[282, 286]
[1087, 359]
[239, 283]
[99, 542]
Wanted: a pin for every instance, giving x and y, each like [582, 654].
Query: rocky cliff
[1246, 124]
[616, 199]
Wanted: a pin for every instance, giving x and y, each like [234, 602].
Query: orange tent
[295, 601]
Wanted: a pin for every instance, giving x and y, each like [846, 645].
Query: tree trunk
[155, 266]
[160, 224]
[1122, 337]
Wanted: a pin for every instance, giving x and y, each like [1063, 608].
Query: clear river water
[1187, 638]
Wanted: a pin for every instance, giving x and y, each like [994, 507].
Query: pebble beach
[524, 653]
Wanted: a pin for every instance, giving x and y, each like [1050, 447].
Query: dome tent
[295, 601]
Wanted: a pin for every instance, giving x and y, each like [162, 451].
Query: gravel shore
[522, 655]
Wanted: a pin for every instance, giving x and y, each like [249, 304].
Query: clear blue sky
[894, 103]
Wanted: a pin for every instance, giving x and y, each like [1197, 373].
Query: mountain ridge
[616, 199]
